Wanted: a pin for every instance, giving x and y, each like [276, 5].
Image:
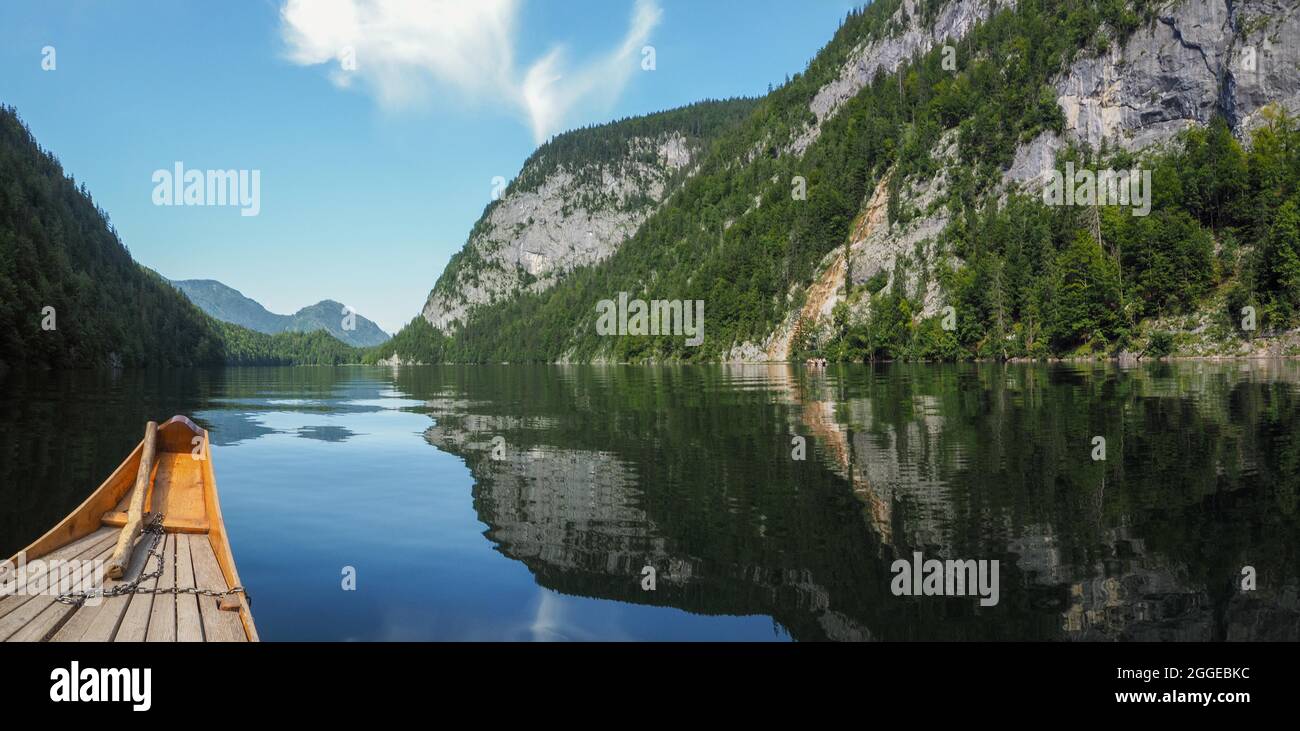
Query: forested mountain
[57, 250]
[244, 347]
[230, 305]
[71, 296]
[902, 174]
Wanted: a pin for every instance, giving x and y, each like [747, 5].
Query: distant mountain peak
[230, 305]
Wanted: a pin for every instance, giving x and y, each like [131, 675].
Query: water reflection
[548, 489]
[326, 433]
[689, 471]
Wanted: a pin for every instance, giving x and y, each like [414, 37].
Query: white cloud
[405, 50]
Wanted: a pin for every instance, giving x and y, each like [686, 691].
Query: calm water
[599, 472]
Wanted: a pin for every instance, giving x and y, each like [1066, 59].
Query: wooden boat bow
[182, 589]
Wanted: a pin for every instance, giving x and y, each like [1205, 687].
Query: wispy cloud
[405, 50]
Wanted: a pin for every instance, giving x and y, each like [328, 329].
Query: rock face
[878, 247]
[577, 215]
[1201, 58]
[1267, 66]
[1162, 79]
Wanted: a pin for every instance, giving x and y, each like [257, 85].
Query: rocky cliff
[1200, 59]
[574, 202]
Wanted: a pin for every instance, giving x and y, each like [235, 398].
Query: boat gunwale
[218, 539]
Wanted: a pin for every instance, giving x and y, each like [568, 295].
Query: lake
[769, 502]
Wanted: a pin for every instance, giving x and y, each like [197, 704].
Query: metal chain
[154, 529]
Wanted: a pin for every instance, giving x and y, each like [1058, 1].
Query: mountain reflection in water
[602, 471]
[690, 471]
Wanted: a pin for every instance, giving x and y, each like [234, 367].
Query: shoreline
[7, 370]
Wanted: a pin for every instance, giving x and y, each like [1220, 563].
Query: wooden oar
[135, 514]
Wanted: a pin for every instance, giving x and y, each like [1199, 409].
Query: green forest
[1025, 279]
[58, 250]
[1037, 281]
[417, 342]
[71, 295]
[244, 347]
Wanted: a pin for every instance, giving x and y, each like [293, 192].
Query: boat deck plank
[34, 618]
[99, 623]
[162, 619]
[188, 561]
[139, 610]
[189, 622]
[218, 626]
[10, 600]
[56, 613]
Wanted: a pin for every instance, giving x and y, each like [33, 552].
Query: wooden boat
[157, 521]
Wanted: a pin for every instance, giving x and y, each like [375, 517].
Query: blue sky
[371, 177]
